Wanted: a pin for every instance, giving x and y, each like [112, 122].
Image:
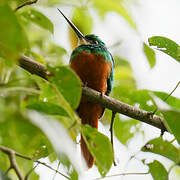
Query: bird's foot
[84, 84]
[102, 94]
[150, 114]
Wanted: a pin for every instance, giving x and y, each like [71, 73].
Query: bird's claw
[102, 94]
[84, 84]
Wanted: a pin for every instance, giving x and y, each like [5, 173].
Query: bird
[94, 65]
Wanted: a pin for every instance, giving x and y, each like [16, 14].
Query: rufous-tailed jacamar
[94, 64]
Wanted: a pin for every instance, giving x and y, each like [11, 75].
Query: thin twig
[123, 174]
[44, 164]
[8, 151]
[172, 91]
[162, 130]
[25, 4]
[167, 96]
[57, 170]
[73, 124]
[8, 170]
[130, 159]
[94, 96]
[172, 140]
[30, 171]
[111, 131]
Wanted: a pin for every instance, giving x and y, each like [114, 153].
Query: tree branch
[108, 102]
[33, 66]
[120, 107]
[12, 157]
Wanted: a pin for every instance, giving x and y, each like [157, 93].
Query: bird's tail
[89, 114]
[86, 153]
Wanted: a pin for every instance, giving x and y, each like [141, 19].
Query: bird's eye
[96, 42]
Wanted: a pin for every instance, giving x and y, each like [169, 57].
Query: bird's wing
[109, 82]
[110, 78]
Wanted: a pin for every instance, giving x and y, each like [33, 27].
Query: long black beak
[76, 30]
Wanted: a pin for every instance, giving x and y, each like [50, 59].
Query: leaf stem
[57, 170]
[30, 171]
[25, 4]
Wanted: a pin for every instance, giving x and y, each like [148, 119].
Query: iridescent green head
[94, 40]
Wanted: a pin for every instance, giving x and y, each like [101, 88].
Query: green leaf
[67, 83]
[42, 151]
[28, 135]
[100, 147]
[172, 119]
[51, 94]
[123, 74]
[133, 97]
[83, 20]
[52, 157]
[122, 129]
[158, 171]
[56, 50]
[50, 3]
[18, 133]
[120, 61]
[164, 148]
[150, 55]
[13, 40]
[172, 101]
[74, 175]
[125, 87]
[116, 6]
[47, 92]
[48, 108]
[176, 175]
[166, 45]
[54, 130]
[38, 18]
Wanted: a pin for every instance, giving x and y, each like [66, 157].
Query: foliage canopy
[29, 31]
